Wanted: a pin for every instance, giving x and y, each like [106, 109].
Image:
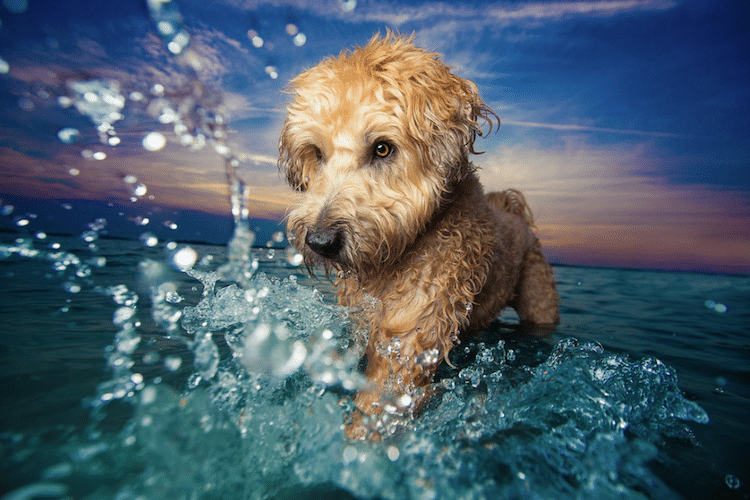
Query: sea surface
[142, 369]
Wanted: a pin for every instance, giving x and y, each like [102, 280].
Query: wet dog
[376, 144]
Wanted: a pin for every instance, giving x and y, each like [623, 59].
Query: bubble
[350, 454]
[184, 258]
[122, 315]
[299, 39]
[732, 482]
[154, 141]
[165, 28]
[272, 71]
[173, 297]
[68, 135]
[122, 296]
[179, 42]
[149, 239]
[716, 306]
[139, 220]
[172, 363]
[83, 271]
[291, 29]
[151, 358]
[25, 104]
[255, 39]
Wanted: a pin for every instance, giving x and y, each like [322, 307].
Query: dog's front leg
[397, 379]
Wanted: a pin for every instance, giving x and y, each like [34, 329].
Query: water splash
[259, 411]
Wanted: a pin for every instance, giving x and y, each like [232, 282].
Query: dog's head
[373, 141]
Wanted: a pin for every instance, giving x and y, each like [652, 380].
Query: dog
[376, 145]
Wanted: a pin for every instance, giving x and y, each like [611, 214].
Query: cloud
[599, 204]
[584, 128]
[400, 13]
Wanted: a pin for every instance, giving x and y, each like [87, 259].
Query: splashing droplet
[154, 141]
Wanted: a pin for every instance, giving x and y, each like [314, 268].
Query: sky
[625, 122]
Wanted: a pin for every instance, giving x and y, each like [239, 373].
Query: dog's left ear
[459, 125]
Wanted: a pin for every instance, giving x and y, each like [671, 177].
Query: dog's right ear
[291, 160]
[453, 113]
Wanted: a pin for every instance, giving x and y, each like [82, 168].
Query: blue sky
[626, 122]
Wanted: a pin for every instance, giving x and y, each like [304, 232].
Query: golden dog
[376, 144]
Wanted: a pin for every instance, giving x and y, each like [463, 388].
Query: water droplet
[299, 39]
[184, 258]
[255, 39]
[293, 257]
[149, 239]
[25, 104]
[272, 71]
[67, 135]
[154, 141]
[732, 481]
[172, 363]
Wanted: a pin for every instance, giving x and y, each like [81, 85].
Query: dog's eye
[382, 150]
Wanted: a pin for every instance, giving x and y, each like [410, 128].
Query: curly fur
[412, 228]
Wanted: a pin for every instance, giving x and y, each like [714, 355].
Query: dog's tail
[512, 201]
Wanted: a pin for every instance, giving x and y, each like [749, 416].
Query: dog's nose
[326, 242]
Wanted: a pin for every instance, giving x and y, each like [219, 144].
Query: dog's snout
[326, 242]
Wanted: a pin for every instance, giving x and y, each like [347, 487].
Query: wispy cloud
[584, 128]
[399, 13]
[599, 204]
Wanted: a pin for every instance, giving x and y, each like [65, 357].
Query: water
[147, 368]
[144, 377]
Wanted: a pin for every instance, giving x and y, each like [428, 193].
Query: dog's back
[512, 201]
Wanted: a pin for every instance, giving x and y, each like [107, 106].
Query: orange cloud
[594, 206]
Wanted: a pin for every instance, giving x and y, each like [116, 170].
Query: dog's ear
[292, 159]
[457, 113]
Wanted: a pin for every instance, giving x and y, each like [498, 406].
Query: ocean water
[136, 369]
